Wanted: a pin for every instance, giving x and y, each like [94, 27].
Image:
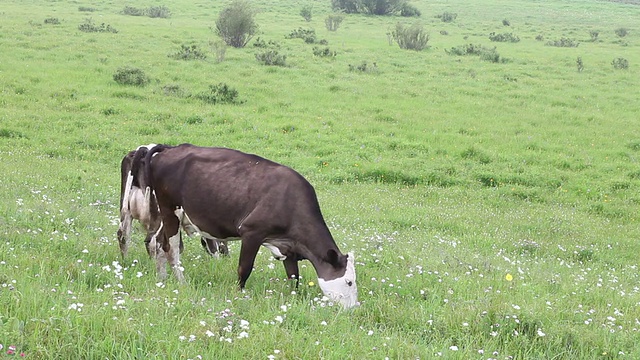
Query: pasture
[491, 206]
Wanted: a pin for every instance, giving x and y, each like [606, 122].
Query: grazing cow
[135, 205]
[226, 193]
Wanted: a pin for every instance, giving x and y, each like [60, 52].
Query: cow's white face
[342, 289]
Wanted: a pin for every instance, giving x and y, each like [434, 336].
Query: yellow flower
[508, 277]
[311, 283]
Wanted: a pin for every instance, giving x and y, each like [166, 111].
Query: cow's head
[343, 288]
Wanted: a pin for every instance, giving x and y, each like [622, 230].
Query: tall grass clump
[236, 23]
[485, 53]
[505, 37]
[413, 37]
[189, 52]
[271, 57]
[89, 26]
[447, 16]
[307, 13]
[620, 63]
[563, 42]
[219, 94]
[333, 21]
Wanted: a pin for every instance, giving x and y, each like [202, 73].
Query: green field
[491, 206]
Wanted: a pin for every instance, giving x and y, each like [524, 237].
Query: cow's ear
[332, 257]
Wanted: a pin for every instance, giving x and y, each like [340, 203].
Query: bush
[130, 10]
[271, 58]
[260, 43]
[347, 6]
[506, 37]
[306, 13]
[621, 32]
[563, 42]
[236, 24]
[52, 21]
[187, 52]
[620, 63]
[86, 9]
[364, 67]
[173, 90]
[158, 12]
[506, 22]
[487, 54]
[130, 76]
[539, 37]
[219, 94]
[323, 52]
[579, 64]
[447, 16]
[594, 35]
[333, 21]
[408, 10]
[381, 7]
[308, 35]
[90, 26]
[411, 38]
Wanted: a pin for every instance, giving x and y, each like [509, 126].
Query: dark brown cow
[134, 205]
[226, 193]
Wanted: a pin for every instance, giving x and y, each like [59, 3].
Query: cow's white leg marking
[173, 256]
[275, 251]
[342, 289]
[161, 264]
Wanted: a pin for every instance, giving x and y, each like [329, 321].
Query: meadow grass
[492, 207]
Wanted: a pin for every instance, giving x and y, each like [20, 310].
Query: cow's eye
[349, 283]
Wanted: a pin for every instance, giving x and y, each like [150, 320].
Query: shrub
[411, 38]
[271, 58]
[488, 54]
[158, 12]
[323, 52]
[173, 90]
[86, 9]
[563, 42]
[306, 13]
[333, 21]
[506, 37]
[90, 26]
[539, 37]
[620, 63]
[364, 67]
[408, 10]
[187, 52]
[381, 7]
[260, 43]
[308, 35]
[130, 76]
[579, 64]
[219, 94]
[594, 35]
[506, 22]
[447, 16]
[621, 32]
[52, 21]
[236, 24]
[130, 10]
[347, 6]
[219, 48]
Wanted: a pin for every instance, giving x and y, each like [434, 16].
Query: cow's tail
[148, 174]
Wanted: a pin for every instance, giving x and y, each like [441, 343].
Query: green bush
[620, 63]
[621, 32]
[308, 35]
[158, 12]
[133, 11]
[219, 94]
[506, 22]
[411, 38]
[89, 26]
[236, 24]
[306, 13]
[579, 64]
[86, 9]
[594, 35]
[347, 6]
[408, 10]
[563, 42]
[506, 37]
[131, 76]
[323, 52]
[187, 52]
[447, 16]
[219, 48]
[488, 54]
[271, 58]
[364, 67]
[333, 21]
[381, 7]
[52, 21]
[260, 43]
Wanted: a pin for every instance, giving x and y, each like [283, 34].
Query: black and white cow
[135, 204]
[225, 193]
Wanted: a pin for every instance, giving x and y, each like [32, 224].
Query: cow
[228, 194]
[135, 204]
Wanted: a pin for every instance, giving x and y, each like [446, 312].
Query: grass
[492, 207]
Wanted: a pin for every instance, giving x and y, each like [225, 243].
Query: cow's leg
[124, 231]
[171, 243]
[291, 267]
[248, 252]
